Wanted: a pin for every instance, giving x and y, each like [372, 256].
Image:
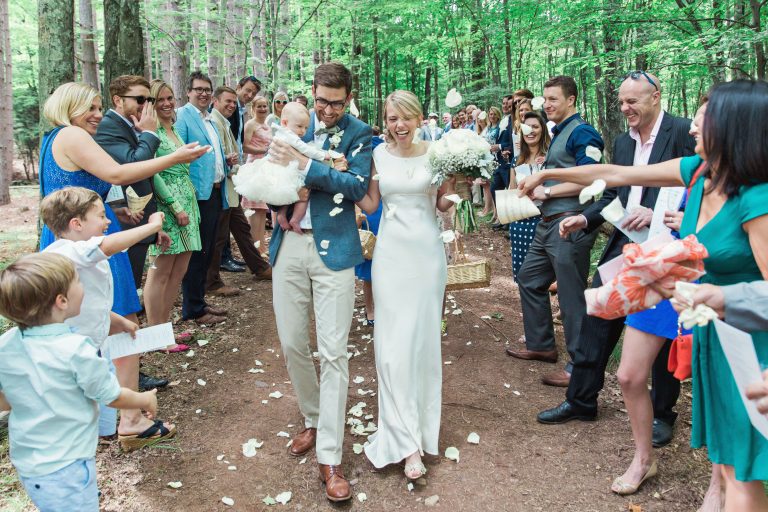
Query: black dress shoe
[231, 266]
[500, 227]
[563, 413]
[238, 262]
[146, 382]
[662, 433]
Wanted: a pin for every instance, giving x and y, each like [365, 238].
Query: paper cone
[136, 203]
[511, 208]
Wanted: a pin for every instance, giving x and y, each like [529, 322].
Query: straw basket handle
[459, 246]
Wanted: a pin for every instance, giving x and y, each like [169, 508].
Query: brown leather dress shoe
[303, 442]
[559, 378]
[209, 319]
[337, 487]
[264, 276]
[548, 356]
[215, 311]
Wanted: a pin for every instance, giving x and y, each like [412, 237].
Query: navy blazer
[126, 146]
[672, 141]
[323, 182]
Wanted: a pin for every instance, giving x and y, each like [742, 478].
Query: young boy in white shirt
[77, 217]
[51, 380]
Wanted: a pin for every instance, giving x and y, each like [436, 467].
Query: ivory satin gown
[409, 275]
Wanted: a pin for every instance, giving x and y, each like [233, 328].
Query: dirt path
[519, 465]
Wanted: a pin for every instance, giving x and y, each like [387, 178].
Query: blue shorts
[72, 487]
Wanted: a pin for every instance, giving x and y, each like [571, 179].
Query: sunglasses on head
[635, 75]
[140, 99]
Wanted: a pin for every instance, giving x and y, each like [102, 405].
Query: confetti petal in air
[452, 99]
[353, 108]
[338, 198]
[335, 211]
[526, 129]
[537, 103]
[593, 191]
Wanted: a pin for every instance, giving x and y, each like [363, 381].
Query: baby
[263, 180]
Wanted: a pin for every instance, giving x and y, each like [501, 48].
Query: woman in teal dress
[728, 212]
[176, 198]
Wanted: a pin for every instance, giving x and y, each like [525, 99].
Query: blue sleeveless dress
[53, 178]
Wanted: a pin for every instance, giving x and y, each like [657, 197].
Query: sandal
[410, 469]
[623, 488]
[153, 435]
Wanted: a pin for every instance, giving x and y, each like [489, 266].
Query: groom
[318, 267]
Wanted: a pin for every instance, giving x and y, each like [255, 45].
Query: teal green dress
[720, 421]
[175, 193]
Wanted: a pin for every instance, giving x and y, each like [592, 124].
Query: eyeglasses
[282, 102]
[202, 90]
[335, 105]
[635, 75]
[140, 99]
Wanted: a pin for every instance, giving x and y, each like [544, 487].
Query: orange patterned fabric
[628, 291]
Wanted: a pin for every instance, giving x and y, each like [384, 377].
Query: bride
[409, 275]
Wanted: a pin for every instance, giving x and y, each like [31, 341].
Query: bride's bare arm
[446, 189]
[370, 202]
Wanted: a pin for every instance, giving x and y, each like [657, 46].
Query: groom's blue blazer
[324, 182]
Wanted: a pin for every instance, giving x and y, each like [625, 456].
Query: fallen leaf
[284, 497]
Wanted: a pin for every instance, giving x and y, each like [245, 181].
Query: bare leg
[180, 264]
[714, 498]
[155, 288]
[488, 199]
[638, 353]
[258, 223]
[368, 294]
[741, 496]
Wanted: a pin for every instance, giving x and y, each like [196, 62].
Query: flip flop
[153, 435]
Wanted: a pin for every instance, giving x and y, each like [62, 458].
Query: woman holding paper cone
[728, 213]
[533, 152]
[176, 198]
[71, 157]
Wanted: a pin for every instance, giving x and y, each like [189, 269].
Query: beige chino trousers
[298, 277]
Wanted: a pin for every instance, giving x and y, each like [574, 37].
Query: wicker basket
[367, 240]
[465, 274]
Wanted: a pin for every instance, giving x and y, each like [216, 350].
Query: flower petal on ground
[174, 485]
[227, 501]
[473, 438]
[452, 453]
[275, 394]
[284, 497]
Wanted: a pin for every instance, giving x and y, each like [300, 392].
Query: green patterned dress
[175, 193]
[720, 420]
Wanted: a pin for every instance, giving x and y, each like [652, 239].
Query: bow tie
[330, 131]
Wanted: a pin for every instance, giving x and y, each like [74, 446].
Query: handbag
[367, 240]
[681, 352]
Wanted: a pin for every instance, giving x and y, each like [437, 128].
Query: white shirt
[92, 266]
[642, 155]
[306, 221]
[216, 143]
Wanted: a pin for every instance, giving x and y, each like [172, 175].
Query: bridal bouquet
[465, 154]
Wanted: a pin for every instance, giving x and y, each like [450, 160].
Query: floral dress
[175, 193]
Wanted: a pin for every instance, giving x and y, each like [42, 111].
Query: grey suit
[123, 144]
[746, 305]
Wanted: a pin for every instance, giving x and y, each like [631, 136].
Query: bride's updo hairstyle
[403, 103]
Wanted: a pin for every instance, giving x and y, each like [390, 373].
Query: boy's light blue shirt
[53, 380]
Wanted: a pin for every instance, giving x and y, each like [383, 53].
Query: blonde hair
[255, 100]
[496, 111]
[29, 287]
[157, 85]
[63, 205]
[294, 109]
[69, 101]
[406, 104]
[280, 95]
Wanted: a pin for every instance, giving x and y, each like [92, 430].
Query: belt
[558, 216]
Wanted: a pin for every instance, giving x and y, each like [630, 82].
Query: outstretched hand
[190, 152]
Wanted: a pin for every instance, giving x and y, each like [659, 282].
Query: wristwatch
[547, 192]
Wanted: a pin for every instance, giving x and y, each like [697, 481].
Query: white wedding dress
[409, 275]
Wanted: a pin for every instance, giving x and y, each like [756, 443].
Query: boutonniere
[336, 139]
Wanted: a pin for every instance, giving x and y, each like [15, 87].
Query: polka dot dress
[521, 235]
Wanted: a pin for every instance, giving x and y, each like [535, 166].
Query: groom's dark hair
[334, 75]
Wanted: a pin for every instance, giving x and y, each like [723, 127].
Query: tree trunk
[377, 72]
[613, 118]
[123, 41]
[213, 40]
[179, 60]
[149, 71]
[6, 105]
[759, 44]
[56, 44]
[90, 64]
[507, 44]
[427, 89]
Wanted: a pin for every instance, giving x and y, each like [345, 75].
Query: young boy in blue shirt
[51, 380]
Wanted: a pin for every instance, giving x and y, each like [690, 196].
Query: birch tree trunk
[213, 41]
[90, 64]
[6, 106]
